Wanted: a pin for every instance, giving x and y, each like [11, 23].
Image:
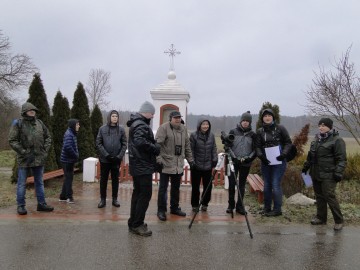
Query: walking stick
[230, 155]
[217, 167]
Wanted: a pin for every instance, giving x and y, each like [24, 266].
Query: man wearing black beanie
[326, 161]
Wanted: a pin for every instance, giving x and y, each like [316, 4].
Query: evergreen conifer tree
[37, 97]
[275, 108]
[96, 121]
[59, 122]
[80, 110]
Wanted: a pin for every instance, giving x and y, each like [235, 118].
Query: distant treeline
[224, 123]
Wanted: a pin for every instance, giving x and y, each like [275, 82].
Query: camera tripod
[219, 165]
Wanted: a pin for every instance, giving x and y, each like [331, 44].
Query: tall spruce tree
[275, 108]
[59, 122]
[80, 110]
[96, 121]
[37, 97]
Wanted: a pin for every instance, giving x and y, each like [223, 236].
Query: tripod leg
[243, 206]
[202, 198]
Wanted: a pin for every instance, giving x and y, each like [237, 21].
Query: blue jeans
[272, 185]
[38, 181]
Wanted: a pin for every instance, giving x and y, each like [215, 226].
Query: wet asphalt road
[54, 244]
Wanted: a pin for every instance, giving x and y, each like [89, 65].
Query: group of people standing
[165, 153]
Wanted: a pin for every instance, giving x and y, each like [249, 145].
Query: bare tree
[15, 70]
[336, 93]
[98, 87]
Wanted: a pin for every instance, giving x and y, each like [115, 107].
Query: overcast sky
[235, 54]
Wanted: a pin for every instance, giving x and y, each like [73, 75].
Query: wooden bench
[256, 186]
[48, 175]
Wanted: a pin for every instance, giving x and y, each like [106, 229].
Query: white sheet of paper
[272, 153]
[307, 180]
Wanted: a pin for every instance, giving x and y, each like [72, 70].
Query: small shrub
[352, 171]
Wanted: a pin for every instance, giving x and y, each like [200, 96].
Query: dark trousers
[325, 195]
[174, 192]
[196, 177]
[140, 199]
[105, 169]
[240, 173]
[67, 191]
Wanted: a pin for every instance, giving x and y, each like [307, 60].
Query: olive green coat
[168, 136]
[327, 157]
[30, 139]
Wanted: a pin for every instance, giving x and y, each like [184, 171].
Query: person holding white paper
[326, 161]
[273, 144]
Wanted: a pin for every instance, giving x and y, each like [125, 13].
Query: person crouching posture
[326, 161]
[111, 145]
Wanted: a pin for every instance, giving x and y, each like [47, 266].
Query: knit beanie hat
[147, 107]
[267, 111]
[246, 116]
[327, 122]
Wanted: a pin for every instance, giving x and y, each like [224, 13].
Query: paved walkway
[86, 197]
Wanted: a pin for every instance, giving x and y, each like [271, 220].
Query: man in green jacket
[175, 147]
[31, 141]
[326, 161]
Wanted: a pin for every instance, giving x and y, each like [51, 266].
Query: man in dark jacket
[31, 140]
[244, 150]
[326, 161]
[203, 148]
[142, 159]
[111, 146]
[69, 156]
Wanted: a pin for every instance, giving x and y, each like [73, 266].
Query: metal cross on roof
[172, 53]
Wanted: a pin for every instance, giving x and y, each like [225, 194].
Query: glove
[213, 164]
[156, 149]
[192, 166]
[337, 178]
[304, 170]
[264, 160]
[158, 167]
[281, 157]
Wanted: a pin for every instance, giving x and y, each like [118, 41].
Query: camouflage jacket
[31, 141]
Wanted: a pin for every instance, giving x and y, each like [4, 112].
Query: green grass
[7, 158]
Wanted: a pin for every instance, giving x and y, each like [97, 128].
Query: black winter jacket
[111, 140]
[273, 135]
[203, 148]
[142, 158]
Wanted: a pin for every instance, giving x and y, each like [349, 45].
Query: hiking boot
[273, 214]
[338, 226]
[70, 200]
[115, 202]
[142, 230]
[21, 210]
[204, 208]
[178, 212]
[102, 203]
[43, 207]
[161, 216]
[264, 212]
[62, 199]
[240, 211]
[317, 221]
